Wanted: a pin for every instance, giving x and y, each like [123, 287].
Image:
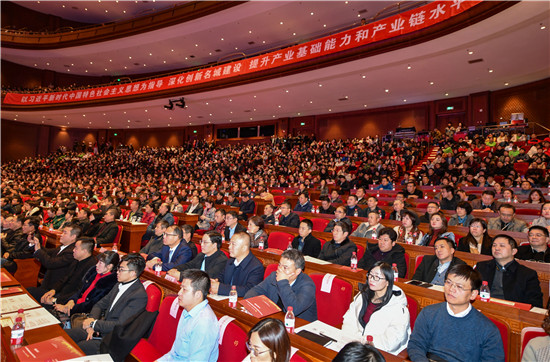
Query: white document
[218, 297]
[16, 302]
[323, 329]
[34, 318]
[315, 260]
[94, 358]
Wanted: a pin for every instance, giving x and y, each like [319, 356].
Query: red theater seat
[154, 297]
[504, 334]
[320, 224]
[279, 240]
[528, 333]
[233, 344]
[270, 269]
[332, 306]
[412, 305]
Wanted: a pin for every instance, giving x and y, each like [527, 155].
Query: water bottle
[374, 236]
[18, 332]
[289, 247]
[353, 261]
[355, 213]
[276, 221]
[377, 193]
[395, 272]
[425, 197]
[50, 228]
[409, 240]
[233, 297]
[261, 245]
[158, 268]
[21, 313]
[317, 209]
[289, 320]
[370, 340]
[485, 292]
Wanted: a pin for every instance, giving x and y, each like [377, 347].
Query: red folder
[55, 349]
[260, 306]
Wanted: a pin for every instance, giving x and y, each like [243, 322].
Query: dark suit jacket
[247, 208]
[249, 273]
[134, 300]
[427, 269]
[312, 245]
[214, 264]
[106, 233]
[338, 254]
[72, 281]
[292, 220]
[58, 266]
[476, 205]
[300, 296]
[101, 288]
[181, 255]
[20, 248]
[197, 211]
[520, 283]
[395, 255]
[238, 228]
[351, 212]
[331, 224]
[269, 219]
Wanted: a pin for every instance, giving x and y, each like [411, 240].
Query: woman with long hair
[408, 231]
[478, 240]
[535, 197]
[256, 231]
[438, 229]
[544, 219]
[268, 341]
[380, 310]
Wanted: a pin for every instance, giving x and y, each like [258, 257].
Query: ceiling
[513, 45]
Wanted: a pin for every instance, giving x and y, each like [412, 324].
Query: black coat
[395, 255]
[292, 220]
[214, 264]
[520, 284]
[58, 264]
[71, 282]
[238, 229]
[427, 269]
[338, 253]
[312, 245]
[106, 233]
[101, 289]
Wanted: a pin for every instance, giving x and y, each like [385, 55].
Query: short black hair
[388, 231]
[296, 256]
[200, 281]
[358, 352]
[135, 262]
[540, 228]
[308, 222]
[87, 244]
[467, 272]
[466, 206]
[513, 243]
[215, 238]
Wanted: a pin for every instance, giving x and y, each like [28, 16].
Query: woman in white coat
[380, 310]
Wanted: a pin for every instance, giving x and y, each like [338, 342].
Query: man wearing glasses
[538, 249]
[506, 220]
[288, 218]
[210, 260]
[232, 225]
[126, 299]
[289, 287]
[454, 330]
[174, 252]
[198, 330]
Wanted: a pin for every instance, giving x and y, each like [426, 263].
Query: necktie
[170, 256]
[203, 265]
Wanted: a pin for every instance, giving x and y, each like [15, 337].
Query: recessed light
[506, 83]
[490, 70]
[386, 90]
[446, 94]
[409, 66]
[281, 23]
[311, 13]
[431, 83]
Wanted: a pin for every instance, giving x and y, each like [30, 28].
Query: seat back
[279, 240]
[118, 235]
[412, 305]
[354, 226]
[323, 241]
[407, 259]
[279, 199]
[27, 271]
[520, 211]
[165, 328]
[233, 343]
[319, 224]
[528, 333]
[332, 306]
[360, 251]
[270, 269]
[154, 296]
[419, 259]
[504, 334]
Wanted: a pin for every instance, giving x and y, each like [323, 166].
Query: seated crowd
[40, 193]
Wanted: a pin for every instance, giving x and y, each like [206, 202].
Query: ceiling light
[386, 90]
[490, 70]
[506, 83]
[431, 83]
[281, 23]
[542, 26]
[446, 94]
[409, 66]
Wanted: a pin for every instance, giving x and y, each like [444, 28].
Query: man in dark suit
[106, 233]
[487, 202]
[386, 250]
[289, 287]
[288, 218]
[210, 260]
[433, 268]
[126, 299]
[195, 207]
[135, 212]
[507, 278]
[242, 270]
[232, 225]
[57, 261]
[247, 206]
[21, 246]
[306, 243]
[174, 252]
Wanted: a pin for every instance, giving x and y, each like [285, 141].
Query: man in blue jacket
[173, 253]
[303, 205]
[289, 287]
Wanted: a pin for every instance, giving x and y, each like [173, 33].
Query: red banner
[407, 22]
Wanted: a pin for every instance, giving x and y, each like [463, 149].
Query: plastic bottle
[223, 238]
[276, 221]
[261, 245]
[395, 272]
[485, 292]
[50, 228]
[233, 297]
[157, 268]
[289, 320]
[115, 248]
[353, 262]
[317, 209]
[18, 332]
[355, 213]
[409, 240]
[370, 340]
[289, 247]
[21, 313]
[374, 236]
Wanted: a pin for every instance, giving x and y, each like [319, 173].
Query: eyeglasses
[206, 242]
[255, 351]
[166, 234]
[123, 270]
[286, 268]
[374, 277]
[458, 287]
[537, 235]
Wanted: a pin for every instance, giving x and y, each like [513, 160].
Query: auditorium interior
[359, 105]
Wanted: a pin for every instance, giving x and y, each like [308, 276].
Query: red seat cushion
[145, 351]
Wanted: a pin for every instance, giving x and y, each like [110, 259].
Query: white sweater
[389, 326]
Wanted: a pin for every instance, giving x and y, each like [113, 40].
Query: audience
[269, 335]
[433, 268]
[369, 229]
[463, 216]
[232, 225]
[387, 251]
[506, 220]
[174, 251]
[340, 214]
[478, 240]
[544, 219]
[359, 352]
[537, 249]
[257, 232]
[379, 310]
[306, 243]
[538, 349]
[438, 228]
[408, 231]
[288, 218]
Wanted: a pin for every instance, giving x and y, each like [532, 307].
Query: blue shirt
[197, 336]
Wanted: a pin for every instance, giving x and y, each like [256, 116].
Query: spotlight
[180, 103]
[170, 105]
